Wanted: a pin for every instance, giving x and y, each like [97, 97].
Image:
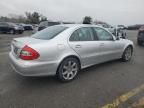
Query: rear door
[82, 41]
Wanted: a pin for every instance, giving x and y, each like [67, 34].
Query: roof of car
[79, 25]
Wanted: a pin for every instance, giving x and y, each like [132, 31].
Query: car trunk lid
[19, 43]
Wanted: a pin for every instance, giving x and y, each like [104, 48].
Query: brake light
[28, 53]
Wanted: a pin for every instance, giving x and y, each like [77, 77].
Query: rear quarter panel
[63, 48]
[47, 50]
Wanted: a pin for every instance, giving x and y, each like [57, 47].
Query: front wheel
[68, 69]
[20, 32]
[12, 31]
[127, 55]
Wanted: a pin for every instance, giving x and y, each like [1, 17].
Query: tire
[12, 31]
[20, 32]
[127, 55]
[68, 69]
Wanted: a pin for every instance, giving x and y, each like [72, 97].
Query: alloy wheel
[128, 53]
[69, 70]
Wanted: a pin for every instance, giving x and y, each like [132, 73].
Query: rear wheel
[127, 55]
[68, 69]
[20, 32]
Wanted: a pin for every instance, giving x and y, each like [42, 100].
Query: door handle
[78, 46]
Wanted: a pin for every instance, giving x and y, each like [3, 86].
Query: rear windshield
[49, 32]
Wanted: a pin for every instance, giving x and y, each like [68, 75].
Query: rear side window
[49, 32]
[82, 34]
[75, 36]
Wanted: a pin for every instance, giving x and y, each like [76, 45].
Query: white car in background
[121, 31]
[108, 27]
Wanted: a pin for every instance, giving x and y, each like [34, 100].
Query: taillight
[28, 53]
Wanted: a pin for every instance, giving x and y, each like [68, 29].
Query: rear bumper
[26, 68]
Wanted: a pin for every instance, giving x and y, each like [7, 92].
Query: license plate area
[16, 50]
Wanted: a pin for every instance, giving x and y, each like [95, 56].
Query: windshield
[53, 23]
[12, 24]
[49, 32]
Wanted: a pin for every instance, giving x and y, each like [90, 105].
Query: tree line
[89, 20]
[36, 18]
[32, 18]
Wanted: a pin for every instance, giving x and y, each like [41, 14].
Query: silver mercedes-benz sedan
[63, 50]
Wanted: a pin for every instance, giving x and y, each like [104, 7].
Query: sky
[114, 12]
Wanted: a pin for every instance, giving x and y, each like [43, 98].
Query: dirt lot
[113, 84]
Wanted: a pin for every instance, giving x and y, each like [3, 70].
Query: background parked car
[108, 27]
[8, 27]
[135, 27]
[140, 38]
[46, 24]
[35, 29]
[28, 27]
[121, 31]
[121, 27]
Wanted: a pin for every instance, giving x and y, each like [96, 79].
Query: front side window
[75, 36]
[82, 34]
[103, 34]
[49, 32]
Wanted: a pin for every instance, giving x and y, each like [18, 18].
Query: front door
[109, 48]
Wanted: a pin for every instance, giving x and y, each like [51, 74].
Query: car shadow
[53, 81]
[100, 66]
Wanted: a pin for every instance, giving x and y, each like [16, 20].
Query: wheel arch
[69, 56]
[129, 45]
